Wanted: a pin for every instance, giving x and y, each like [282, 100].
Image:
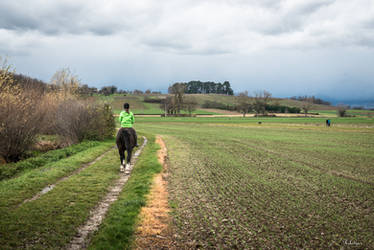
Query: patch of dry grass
[153, 230]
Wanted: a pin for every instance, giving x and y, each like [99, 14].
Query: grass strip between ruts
[14, 191]
[117, 229]
[52, 220]
[11, 169]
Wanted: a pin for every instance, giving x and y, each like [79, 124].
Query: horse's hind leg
[122, 157]
[128, 158]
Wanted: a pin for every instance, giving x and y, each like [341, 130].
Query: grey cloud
[165, 44]
[369, 24]
[54, 19]
[205, 51]
[11, 20]
[293, 19]
[191, 26]
[366, 41]
[311, 7]
[182, 47]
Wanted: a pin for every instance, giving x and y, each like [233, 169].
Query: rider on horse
[126, 119]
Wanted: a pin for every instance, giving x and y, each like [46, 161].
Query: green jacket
[126, 119]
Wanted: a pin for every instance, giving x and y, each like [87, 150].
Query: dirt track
[81, 240]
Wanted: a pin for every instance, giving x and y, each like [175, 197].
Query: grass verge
[11, 169]
[14, 191]
[51, 221]
[117, 229]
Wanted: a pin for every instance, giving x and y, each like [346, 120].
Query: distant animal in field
[328, 122]
[259, 122]
[125, 142]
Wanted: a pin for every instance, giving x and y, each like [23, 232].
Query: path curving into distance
[81, 240]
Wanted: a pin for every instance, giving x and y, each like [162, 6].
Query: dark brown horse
[126, 141]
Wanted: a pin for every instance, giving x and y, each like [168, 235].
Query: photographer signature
[351, 243]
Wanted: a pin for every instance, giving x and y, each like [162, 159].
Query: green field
[290, 183]
[233, 183]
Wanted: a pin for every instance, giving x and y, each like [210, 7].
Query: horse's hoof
[127, 169]
[121, 169]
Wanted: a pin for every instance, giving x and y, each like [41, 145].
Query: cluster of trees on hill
[259, 103]
[198, 87]
[310, 99]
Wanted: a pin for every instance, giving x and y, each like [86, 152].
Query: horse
[125, 141]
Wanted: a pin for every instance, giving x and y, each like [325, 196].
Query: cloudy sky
[288, 47]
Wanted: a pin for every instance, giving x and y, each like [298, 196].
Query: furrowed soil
[239, 184]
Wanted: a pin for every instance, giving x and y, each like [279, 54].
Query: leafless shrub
[77, 120]
[26, 111]
[20, 115]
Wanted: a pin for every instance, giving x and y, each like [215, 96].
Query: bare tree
[178, 89]
[190, 104]
[342, 110]
[307, 105]
[168, 105]
[243, 103]
[261, 100]
[66, 81]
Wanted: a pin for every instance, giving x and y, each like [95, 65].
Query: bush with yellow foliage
[25, 113]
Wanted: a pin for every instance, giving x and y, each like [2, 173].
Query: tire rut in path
[77, 171]
[81, 240]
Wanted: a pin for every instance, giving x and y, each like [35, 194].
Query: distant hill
[139, 106]
[365, 103]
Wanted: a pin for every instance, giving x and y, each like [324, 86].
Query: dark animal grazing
[125, 141]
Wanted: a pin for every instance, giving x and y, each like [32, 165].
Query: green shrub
[218, 105]
[282, 109]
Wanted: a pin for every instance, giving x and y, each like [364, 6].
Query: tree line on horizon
[311, 99]
[199, 87]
